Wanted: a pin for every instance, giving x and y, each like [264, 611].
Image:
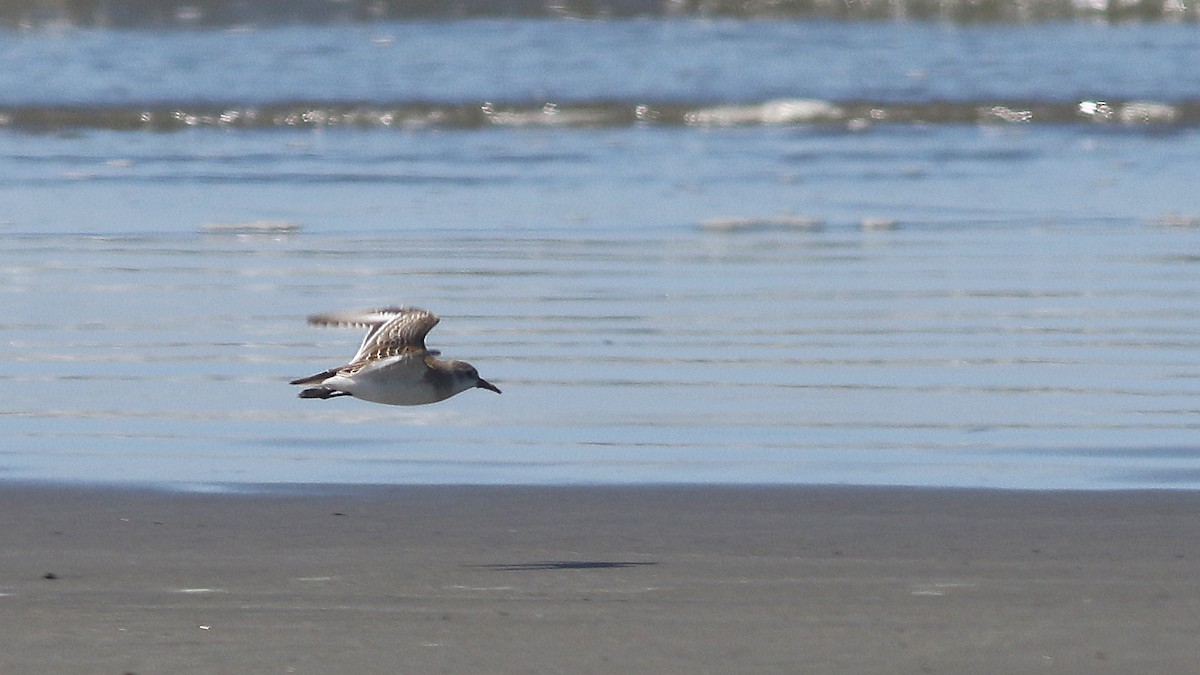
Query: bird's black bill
[484, 384]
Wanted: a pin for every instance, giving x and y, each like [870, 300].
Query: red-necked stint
[392, 366]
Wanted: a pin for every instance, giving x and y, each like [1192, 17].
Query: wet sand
[598, 580]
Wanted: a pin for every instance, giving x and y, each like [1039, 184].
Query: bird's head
[468, 378]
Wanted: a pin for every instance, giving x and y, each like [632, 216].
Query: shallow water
[1034, 356]
[947, 304]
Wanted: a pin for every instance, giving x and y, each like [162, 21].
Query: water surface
[963, 297]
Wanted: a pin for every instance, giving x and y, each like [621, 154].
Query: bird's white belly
[389, 392]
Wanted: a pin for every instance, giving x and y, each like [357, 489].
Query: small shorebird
[392, 365]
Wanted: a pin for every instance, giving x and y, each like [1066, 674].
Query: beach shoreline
[592, 579]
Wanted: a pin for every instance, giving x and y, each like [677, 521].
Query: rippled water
[1024, 355]
[1006, 304]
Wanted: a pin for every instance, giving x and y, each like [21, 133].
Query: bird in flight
[392, 366]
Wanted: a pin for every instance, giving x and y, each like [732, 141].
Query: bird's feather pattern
[391, 331]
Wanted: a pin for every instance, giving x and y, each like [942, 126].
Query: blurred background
[949, 243]
[226, 12]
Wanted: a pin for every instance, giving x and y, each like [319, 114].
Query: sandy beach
[598, 580]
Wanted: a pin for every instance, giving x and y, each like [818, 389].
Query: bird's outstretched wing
[391, 331]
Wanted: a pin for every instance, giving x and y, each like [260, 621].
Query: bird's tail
[314, 379]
